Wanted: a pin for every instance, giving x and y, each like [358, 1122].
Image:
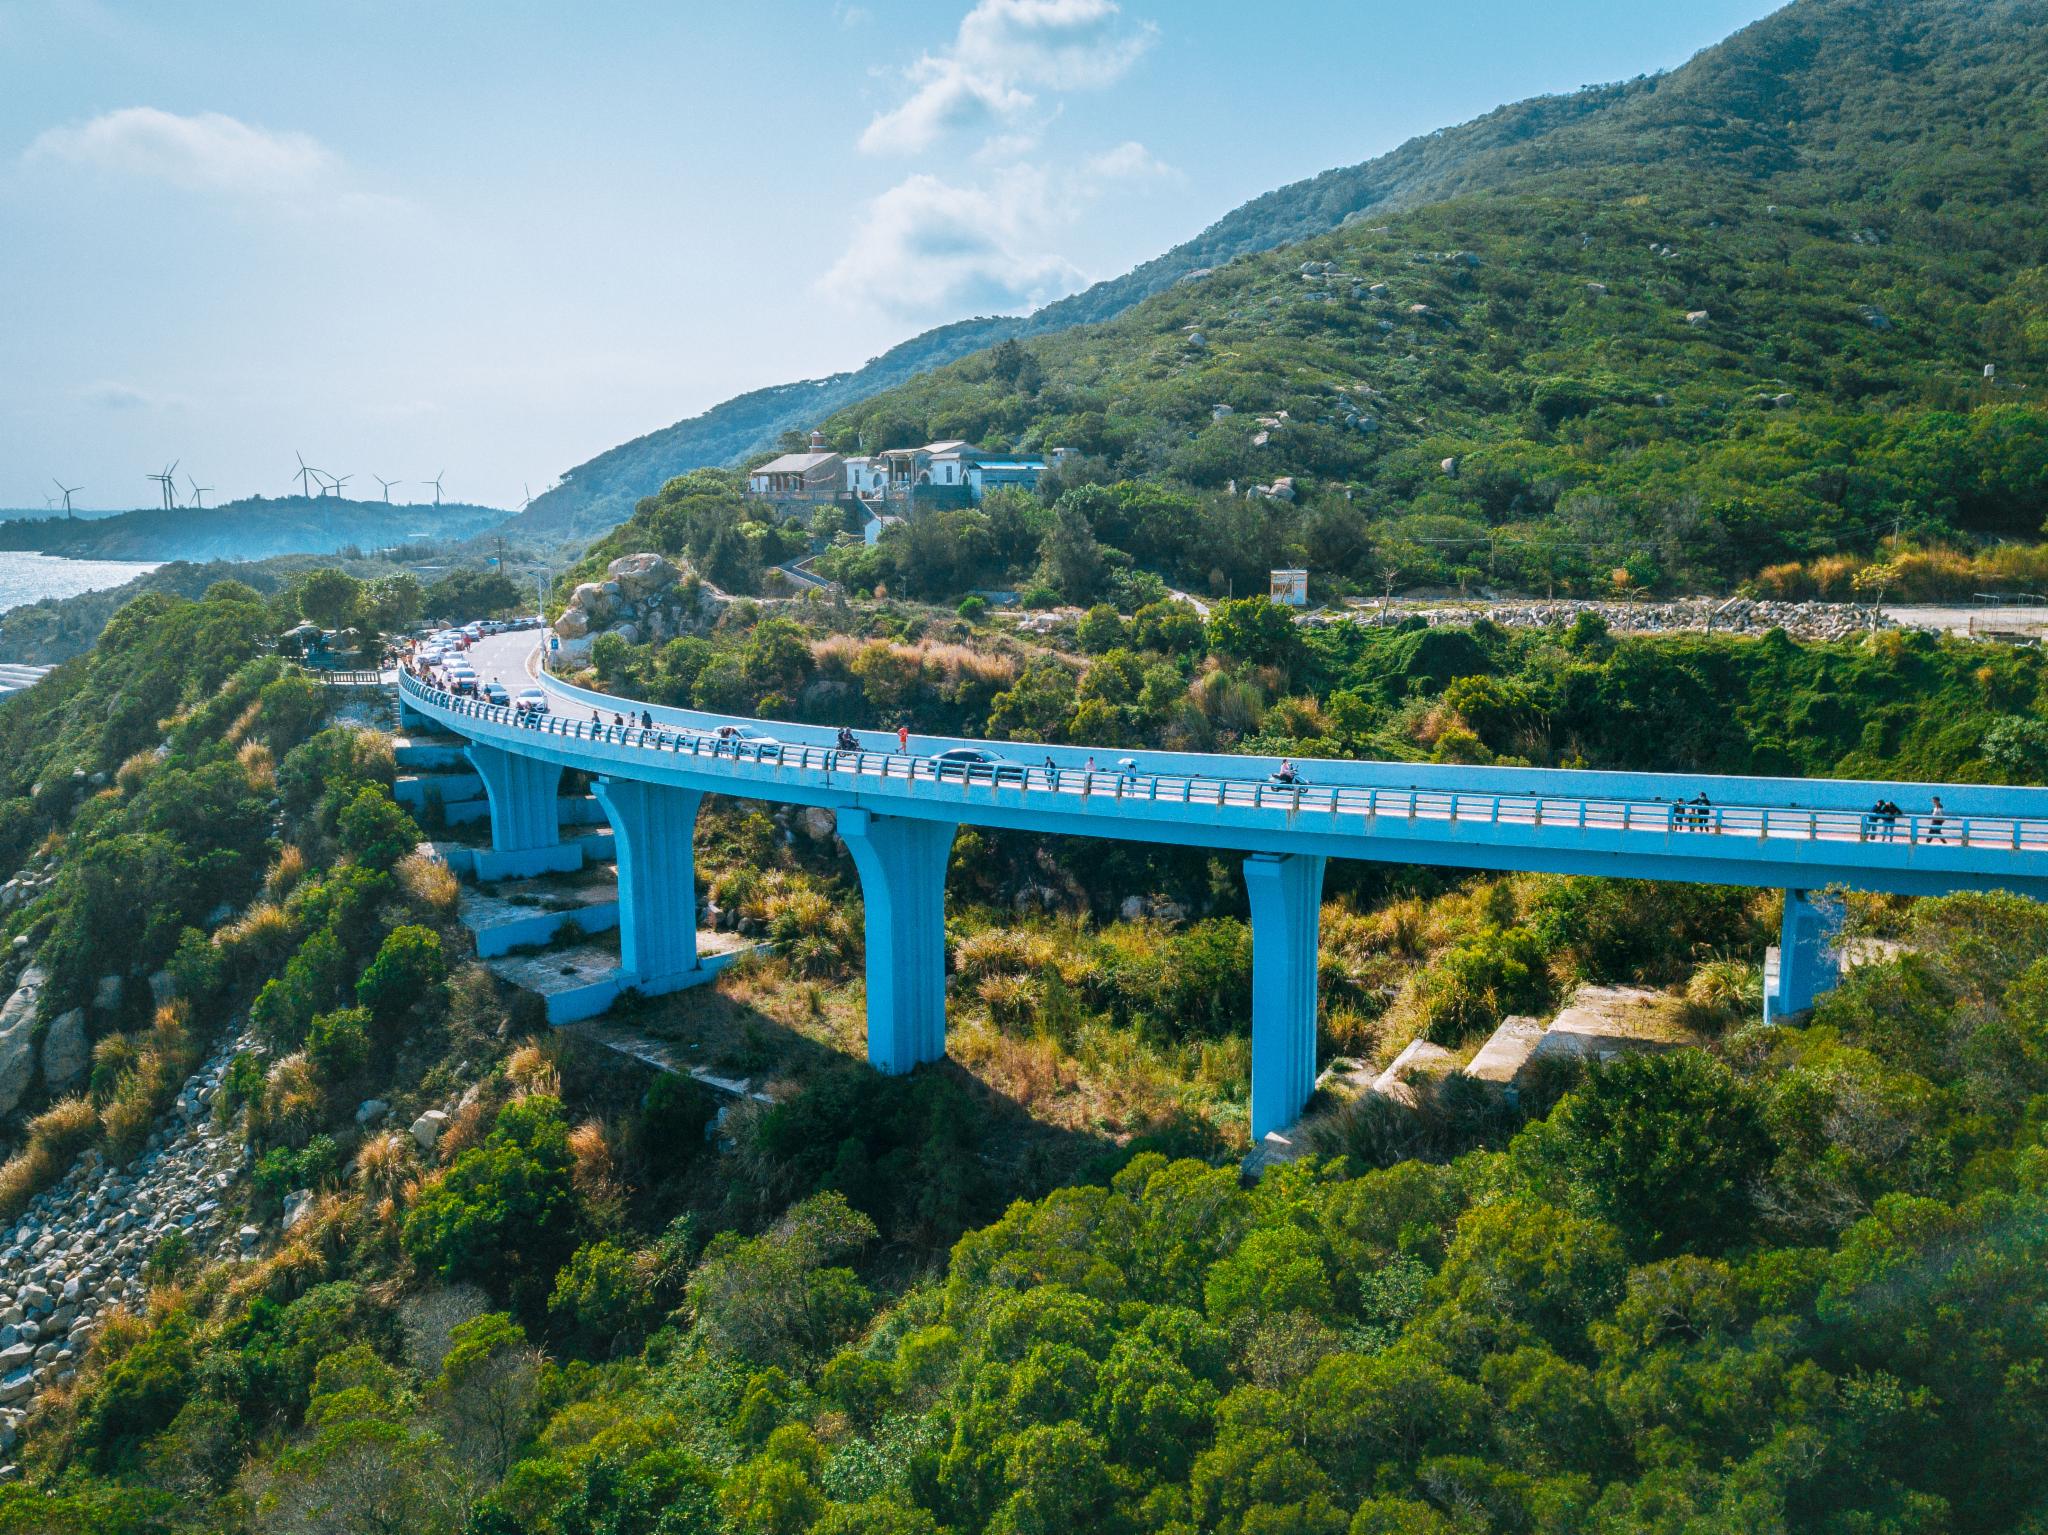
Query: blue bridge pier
[898, 811]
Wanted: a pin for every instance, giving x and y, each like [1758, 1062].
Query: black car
[973, 762]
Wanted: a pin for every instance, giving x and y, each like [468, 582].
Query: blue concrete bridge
[897, 813]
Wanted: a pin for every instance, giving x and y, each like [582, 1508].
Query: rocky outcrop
[17, 1039]
[66, 1051]
[642, 597]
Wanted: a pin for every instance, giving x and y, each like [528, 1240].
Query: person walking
[1934, 815]
[902, 739]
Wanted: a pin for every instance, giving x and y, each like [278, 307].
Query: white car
[743, 738]
[530, 701]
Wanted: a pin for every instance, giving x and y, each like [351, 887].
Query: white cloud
[118, 396]
[1005, 52]
[207, 151]
[1129, 161]
[928, 248]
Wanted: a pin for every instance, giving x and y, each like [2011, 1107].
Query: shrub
[600, 1301]
[375, 831]
[141, 1391]
[504, 1214]
[1477, 983]
[339, 1042]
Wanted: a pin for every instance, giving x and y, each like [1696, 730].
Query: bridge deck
[1805, 846]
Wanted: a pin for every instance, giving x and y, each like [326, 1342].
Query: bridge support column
[654, 828]
[902, 864]
[1808, 966]
[526, 834]
[1286, 895]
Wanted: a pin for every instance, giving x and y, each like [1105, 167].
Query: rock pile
[642, 597]
[1733, 615]
[77, 1251]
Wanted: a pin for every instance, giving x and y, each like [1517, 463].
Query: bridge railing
[1298, 798]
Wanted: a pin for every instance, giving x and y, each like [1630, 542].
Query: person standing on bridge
[902, 739]
[1934, 815]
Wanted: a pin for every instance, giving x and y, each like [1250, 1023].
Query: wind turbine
[436, 483]
[387, 484]
[168, 485]
[199, 492]
[306, 473]
[529, 495]
[68, 492]
[336, 482]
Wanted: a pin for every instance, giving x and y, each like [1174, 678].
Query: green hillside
[1737, 315]
[595, 494]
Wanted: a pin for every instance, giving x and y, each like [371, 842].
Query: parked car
[973, 762]
[530, 701]
[497, 693]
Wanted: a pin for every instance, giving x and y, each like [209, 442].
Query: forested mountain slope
[596, 494]
[1740, 314]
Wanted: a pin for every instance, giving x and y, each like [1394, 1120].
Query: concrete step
[414, 790]
[518, 914]
[1506, 1053]
[583, 982]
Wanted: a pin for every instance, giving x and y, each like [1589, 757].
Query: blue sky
[494, 239]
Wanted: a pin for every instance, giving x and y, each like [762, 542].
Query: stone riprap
[77, 1250]
[1721, 615]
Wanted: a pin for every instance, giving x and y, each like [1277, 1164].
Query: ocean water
[31, 577]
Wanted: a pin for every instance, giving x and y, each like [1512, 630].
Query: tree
[408, 977]
[1671, 1146]
[395, 602]
[773, 1299]
[331, 598]
[486, 1392]
[1255, 630]
[1171, 627]
[1070, 559]
[1100, 629]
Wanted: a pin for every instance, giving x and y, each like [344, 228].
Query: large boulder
[66, 1052]
[574, 623]
[17, 1038]
[641, 575]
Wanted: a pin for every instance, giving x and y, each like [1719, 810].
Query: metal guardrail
[1660, 817]
[347, 679]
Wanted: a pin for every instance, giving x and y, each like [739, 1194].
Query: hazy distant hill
[253, 529]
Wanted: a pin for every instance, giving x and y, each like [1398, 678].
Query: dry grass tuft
[293, 1101]
[429, 883]
[285, 872]
[244, 722]
[132, 774]
[258, 766]
[531, 1069]
[387, 1168]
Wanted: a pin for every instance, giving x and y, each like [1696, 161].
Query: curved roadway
[1796, 833]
